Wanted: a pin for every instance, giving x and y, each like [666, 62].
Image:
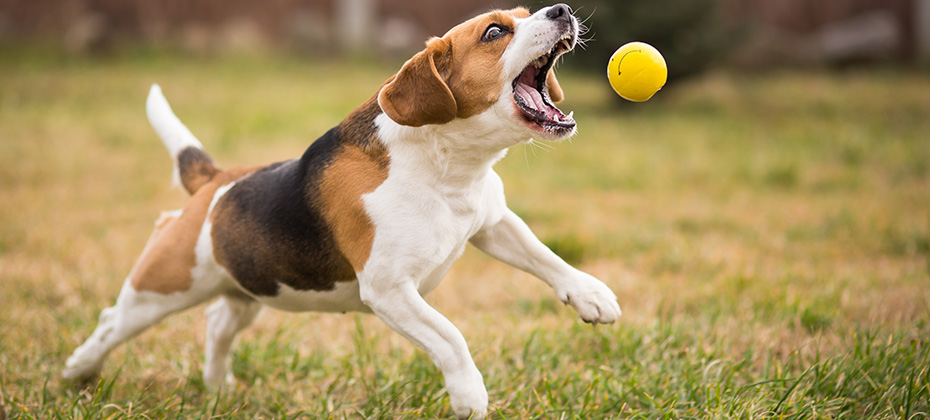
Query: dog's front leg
[400, 306]
[511, 241]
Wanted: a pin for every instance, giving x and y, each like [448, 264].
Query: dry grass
[768, 237]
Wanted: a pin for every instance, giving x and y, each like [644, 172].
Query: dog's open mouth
[532, 97]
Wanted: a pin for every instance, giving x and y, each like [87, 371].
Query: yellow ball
[637, 71]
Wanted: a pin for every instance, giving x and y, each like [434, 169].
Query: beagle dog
[373, 214]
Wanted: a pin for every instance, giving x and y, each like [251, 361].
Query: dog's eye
[493, 32]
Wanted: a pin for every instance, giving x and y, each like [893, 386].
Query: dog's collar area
[532, 96]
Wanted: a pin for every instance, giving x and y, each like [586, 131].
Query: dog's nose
[559, 11]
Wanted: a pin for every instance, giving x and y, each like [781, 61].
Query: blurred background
[763, 219]
[694, 34]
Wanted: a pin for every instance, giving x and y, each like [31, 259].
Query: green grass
[768, 236]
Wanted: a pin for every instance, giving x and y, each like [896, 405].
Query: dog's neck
[452, 156]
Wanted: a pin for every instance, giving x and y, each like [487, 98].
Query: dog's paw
[80, 376]
[81, 370]
[592, 299]
[469, 397]
[216, 381]
[476, 409]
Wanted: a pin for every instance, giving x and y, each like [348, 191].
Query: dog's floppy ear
[552, 86]
[418, 95]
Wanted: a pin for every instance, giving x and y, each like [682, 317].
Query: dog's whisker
[533, 148]
[546, 147]
[583, 42]
[370, 217]
[526, 157]
[584, 29]
[583, 22]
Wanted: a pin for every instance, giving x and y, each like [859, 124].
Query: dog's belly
[344, 297]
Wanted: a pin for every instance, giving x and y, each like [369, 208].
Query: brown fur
[418, 95]
[148, 275]
[302, 223]
[196, 169]
[169, 256]
[265, 235]
[473, 68]
[360, 167]
[359, 128]
[353, 174]
[456, 76]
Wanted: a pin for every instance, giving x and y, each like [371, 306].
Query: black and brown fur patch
[169, 256]
[302, 222]
[196, 168]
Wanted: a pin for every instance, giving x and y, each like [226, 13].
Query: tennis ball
[637, 71]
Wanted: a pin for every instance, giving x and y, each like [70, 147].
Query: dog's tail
[192, 166]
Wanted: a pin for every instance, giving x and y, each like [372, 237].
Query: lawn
[768, 236]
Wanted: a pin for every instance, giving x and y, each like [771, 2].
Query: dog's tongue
[533, 99]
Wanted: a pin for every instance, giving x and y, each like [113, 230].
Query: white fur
[225, 318]
[135, 311]
[208, 271]
[172, 131]
[342, 298]
[440, 193]
[231, 313]
[534, 37]
[537, 37]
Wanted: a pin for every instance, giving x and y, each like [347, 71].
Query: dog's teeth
[541, 61]
[570, 115]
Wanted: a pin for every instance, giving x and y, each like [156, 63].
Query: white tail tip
[174, 134]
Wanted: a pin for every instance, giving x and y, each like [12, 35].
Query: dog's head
[494, 70]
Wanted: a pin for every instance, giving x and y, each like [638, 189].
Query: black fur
[195, 168]
[269, 224]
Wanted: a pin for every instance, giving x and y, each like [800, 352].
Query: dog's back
[298, 223]
[302, 223]
[373, 214]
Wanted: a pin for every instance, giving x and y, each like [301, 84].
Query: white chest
[421, 227]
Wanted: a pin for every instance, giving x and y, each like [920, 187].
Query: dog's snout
[559, 11]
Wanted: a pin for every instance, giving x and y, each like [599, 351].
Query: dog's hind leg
[162, 282]
[225, 318]
[133, 312]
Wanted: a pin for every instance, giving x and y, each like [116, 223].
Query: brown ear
[552, 86]
[418, 95]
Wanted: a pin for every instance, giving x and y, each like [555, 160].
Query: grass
[767, 235]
